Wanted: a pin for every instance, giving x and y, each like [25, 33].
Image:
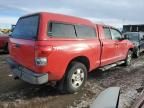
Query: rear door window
[26, 28]
[61, 30]
[85, 31]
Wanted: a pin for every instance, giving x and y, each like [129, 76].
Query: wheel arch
[131, 49]
[82, 59]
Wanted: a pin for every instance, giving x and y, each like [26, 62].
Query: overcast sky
[114, 12]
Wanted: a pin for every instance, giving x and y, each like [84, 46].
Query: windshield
[132, 36]
[26, 28]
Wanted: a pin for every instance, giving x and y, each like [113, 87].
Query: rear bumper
[26, 74]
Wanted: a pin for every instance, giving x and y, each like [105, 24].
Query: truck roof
[104, 25]
[58, 16]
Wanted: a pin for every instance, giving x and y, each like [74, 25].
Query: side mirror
[107, 99]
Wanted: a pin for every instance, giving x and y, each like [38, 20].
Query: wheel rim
[77, 78]
[129, 58]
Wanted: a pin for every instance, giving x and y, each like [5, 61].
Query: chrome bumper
[26, 74]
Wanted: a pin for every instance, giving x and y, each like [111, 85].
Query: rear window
[85, 31]
[26, 28]
[61, 30]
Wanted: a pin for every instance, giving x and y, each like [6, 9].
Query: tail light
[41, 55]
[41, 61]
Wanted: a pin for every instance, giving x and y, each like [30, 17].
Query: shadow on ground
[3, 53]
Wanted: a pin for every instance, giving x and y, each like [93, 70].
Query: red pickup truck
[4, 43]
[47, 47]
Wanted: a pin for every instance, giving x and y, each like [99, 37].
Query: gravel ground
[18, 94]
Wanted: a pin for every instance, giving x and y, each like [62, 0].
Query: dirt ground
[18, 94]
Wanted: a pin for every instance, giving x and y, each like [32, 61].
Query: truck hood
[135, 43]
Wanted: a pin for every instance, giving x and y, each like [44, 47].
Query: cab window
[115, 34]
[107, 33]
[85, 31]
[61, 30]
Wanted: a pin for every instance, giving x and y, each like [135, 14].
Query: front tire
[75, 77]
[137, 53]
[128, 58]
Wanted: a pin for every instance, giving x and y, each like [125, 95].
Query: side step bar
[111, 65]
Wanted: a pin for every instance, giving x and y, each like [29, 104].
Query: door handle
[116, 44]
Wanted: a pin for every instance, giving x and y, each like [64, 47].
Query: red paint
[3, 41]
[60, 51]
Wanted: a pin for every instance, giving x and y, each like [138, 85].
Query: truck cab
[114, 46]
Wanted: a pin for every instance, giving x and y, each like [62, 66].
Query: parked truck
[137, 38]
[4, 43]
[47, 47]
[133, 28]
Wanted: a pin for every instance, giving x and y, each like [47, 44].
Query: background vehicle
[12, 27]
[133, 28]
[4, 43]
[138, 40]
[52, 47]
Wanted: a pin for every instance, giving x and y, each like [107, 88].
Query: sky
[111, 12]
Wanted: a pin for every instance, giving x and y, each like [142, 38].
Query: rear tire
[128, 58]
[74, 79]
[6, 48]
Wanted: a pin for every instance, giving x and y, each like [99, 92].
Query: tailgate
[23, 52]
[23, 39]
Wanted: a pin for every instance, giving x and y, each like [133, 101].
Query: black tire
[67, 85]
[137, 53]
[6, 48]
[128, 58]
